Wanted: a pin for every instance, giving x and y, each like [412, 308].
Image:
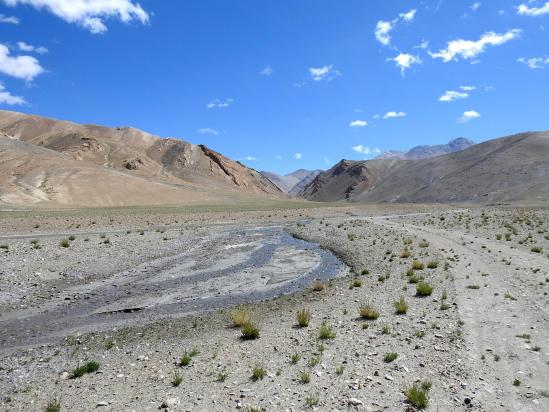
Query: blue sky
[284, 84]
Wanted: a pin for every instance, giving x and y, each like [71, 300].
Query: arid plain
[401, 307]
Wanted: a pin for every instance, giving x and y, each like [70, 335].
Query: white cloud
[408, 16]
[524, 10]
[358, 123]
[9, 19]
[468, 115]
[424, 45]
[468, 49]
[535, 62]
[324, 73]
[327, 161]
[392, 115]
[267, 71]
[30, 48]
[365, 150]
[298, 156]
[468, 88]
[383, 29]
[219, 104]
[89, 13]
[452, 95]
[251, 159]
[8, 98]
[21, 67]
[475, 6]
[404, 61]
[208, 130]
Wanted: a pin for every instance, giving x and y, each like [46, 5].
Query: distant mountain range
[293, 182]
[424, 152]
[513, 168]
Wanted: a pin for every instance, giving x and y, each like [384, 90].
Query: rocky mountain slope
[49, 161]
[514, 168]
[293, 182]
[424, 152]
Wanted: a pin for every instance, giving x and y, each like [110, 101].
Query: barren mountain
[424, 152]
[514, 168]
[293, 182]
[58, 162]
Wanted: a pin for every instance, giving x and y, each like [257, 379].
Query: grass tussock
[303, 317]
[368, 312]
[424, 289]
[88, 367]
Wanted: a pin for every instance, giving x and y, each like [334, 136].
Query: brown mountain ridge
[50, 162]
[513, 168]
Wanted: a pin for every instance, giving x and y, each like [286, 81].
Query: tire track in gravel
[492, 320]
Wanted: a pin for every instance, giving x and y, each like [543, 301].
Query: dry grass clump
[240, 316]
[417, 265]
[326, 331]
[318, 286]
[303, 318]
[368, 312]
[401, 307]
[424, 289]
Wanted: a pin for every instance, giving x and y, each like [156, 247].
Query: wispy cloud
[298, 156]
[219, 104]
[405, 61]
[267, 71]
[468, 115]
[9, 19]
[392, 115]
[89, 14]
[358, 123]
[475, 6]
[29, 48]
[365, 150]
[409, 16]
[8, 98]
[468, 49]
[524, 10]
[21, 67]
[384, 28]
[324, 73]
[535, 62]
[208, 130]
[452, 95]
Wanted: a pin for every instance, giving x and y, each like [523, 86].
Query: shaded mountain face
[514, 168]
[134, 155]
[424, 152]
[293, 182]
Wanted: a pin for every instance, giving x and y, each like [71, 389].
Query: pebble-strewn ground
[478, 342]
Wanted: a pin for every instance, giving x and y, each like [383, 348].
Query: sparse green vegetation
[177, 378]
[258, 372]
[424, 289]
[64, 243]
[304, 377]
[389, 357]
[417, 265]
[296, 357]
[250, 331]
[240, 316]
[54, 405]
[401, 307]
[303, 318]
[326, 331]
[88, 367]
[368, 312]
[417, 396]
[433, 264]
